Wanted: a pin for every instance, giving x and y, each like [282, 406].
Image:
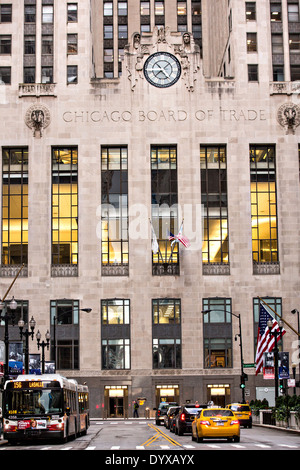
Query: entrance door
[116, 407]
[116, 401]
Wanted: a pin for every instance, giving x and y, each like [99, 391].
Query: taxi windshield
[217, 413]
[33, 402]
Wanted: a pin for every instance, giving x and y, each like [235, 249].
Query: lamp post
[276, 334]
[295, 311]
[43, 345]
[6, 317]
[27, 334]
[243, 375]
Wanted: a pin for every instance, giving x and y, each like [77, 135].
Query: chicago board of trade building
[150, 192]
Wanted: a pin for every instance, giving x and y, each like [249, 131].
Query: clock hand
[162, 69]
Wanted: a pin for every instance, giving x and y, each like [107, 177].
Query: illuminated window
[115, 312]
[164, 206]
[217, 333]
[15, 206]
[166, 311]
[263, 204]
[114, 207]
[214, 200]
[64, 206]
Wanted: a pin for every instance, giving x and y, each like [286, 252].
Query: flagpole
[269, 306]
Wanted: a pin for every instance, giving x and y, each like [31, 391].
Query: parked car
[185, 416]
[172, 411]
[162, 409]
[243, 413]
[216, 423]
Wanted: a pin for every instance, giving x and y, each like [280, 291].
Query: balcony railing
[37, 89]
[284, 88]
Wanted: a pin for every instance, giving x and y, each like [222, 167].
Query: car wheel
[236, 439]
[180, 432]
[199, 439]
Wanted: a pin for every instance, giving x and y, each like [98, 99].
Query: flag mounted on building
[154, 247]
[265, 341]
[179, 238]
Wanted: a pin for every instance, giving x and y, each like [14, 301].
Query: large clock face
[162, 69]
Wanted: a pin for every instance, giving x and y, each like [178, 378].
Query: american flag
[179, 238]
[265, 342]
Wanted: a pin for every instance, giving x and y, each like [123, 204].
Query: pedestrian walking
[135, 409]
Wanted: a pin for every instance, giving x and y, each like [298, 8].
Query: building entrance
[166, 393]
[219, 394]
[116, 401]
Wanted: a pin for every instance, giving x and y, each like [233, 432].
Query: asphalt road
[114, 437]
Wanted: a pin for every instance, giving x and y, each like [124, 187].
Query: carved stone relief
[37, 118]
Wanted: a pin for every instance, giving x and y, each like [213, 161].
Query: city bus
[44, 407]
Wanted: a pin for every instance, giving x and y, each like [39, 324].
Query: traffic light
[244, 377]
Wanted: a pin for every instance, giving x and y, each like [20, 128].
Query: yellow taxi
[216, 423]
[243, 412]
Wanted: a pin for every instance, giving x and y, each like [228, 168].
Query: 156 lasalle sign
[164, 115]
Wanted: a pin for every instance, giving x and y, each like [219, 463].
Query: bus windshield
[33, 402]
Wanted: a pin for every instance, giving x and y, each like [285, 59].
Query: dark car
[162, 409]
[186, 415]
[172, 412]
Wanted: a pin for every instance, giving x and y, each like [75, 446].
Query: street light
[243, 375]
[6, 317]
[43, 345]
[27, 334]
[295, 311]
[276, 334]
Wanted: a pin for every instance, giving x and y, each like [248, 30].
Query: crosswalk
[202, 446]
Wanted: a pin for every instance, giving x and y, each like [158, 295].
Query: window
[213, 165]
[263, 204]
[72, 46]
[47, 14]
[275, 11]
[181, 8]
[47, 75]
[72, 74]
[166, 333]
[217, 333]
[294, 42]
[29, 45]
[159, 8]
[293, 12]
[72, 12]
[30, 13]
[14, 206]
[277, 44]
[108, 9]
[114, 209]
[278, 73]
[29, 74]
[64, 320]
[108, 55]
[115, 331]
[122, 8]
[5, 75]
[6, 13]
[250, 11]
[122, 31]
[64, 206]
[115, 312]
[47, 45]
[166, 312]
[164, 208]
[108, 31]
[251, 42]
[253, 72]
[295, 73]
[145, 8]
[5, 44]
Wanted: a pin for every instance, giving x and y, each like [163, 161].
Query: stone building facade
[122, 122]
